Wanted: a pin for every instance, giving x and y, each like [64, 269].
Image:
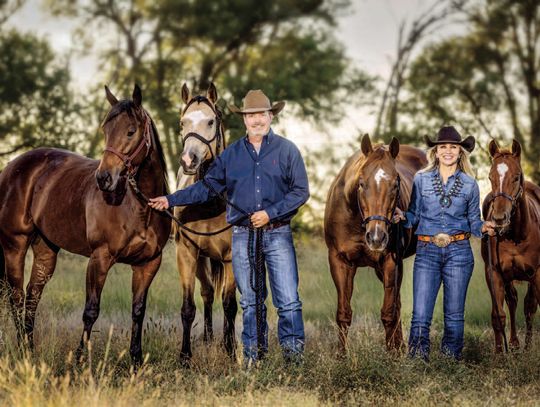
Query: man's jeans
[282, 271]
[453, 265]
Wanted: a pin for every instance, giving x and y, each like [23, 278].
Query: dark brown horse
[52, 199]
[514, 205]
[357, 228]
[206, 257]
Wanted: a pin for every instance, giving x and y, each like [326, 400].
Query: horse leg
[204, 271]
[187, 263]
[529, 307]
[498, 317]
[140, 282]
[230, 308]
[511, 297]
[96, 273]
[391, 308]
[14, 256]
[45, 255]
[343, 276]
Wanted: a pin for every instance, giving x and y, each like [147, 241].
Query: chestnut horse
[514, 254]
[206, 257]
[358, 230]
[53, 199]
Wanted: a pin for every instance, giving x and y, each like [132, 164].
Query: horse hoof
[185, 360]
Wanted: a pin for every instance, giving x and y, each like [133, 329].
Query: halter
[513, 199]
[145, 141]
[382, 217]
[217, 136]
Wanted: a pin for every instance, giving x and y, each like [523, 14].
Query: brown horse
[50, 200]
[206, 257]
[358, 232]
[514, 205]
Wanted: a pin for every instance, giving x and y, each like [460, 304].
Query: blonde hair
[463, 162]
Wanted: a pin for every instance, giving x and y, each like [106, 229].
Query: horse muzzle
[377, 240]
[107, 181]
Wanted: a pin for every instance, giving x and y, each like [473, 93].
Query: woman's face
[448, 154]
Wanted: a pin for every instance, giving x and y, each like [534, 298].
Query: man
[264, 175]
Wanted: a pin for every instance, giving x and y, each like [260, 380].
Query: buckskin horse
[514, 253]
[53, 199]
[358, 229]
[205, 256]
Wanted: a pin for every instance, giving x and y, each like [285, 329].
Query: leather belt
[443, 239]
[268, 226]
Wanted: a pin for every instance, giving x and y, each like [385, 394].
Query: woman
[445, 209]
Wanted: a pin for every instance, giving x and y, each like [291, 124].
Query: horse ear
[110, 97]
[394, 147]
[186, 96]
[366, 145]
[137, 96]
[211, 93]
[493, 148]
[516, 148]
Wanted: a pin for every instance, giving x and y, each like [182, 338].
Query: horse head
[201, 132]
[506, 177]
[378, 191]
[127, 139]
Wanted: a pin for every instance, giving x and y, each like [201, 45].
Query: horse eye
[210, 123]
[131, 133]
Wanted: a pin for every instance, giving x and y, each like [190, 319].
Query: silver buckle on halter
[441, 240]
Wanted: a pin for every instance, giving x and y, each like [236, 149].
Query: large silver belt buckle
[441, 240]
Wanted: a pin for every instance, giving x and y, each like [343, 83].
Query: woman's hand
[398, 216]
[489, 228]
[160, 203]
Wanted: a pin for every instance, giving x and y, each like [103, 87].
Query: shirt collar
[266, 139]
[454, 175]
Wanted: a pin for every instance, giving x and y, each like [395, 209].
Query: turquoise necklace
[445, 199]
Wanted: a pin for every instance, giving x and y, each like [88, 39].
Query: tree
[486, 80]
[285, 46]
[36, 105]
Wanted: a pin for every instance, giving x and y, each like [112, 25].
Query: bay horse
[358, 230]
[207, 258]
[514, 253]
[53, 199]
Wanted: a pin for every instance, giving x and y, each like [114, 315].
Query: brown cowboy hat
[256, 101]
[449, 135]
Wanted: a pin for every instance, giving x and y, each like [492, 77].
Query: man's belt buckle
[441, 240]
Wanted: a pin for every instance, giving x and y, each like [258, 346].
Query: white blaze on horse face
[502, 168]
[196, 117]
[380, 174]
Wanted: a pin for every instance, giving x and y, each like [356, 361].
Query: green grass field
[367, 374]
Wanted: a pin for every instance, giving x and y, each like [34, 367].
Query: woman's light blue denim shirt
[431, 218]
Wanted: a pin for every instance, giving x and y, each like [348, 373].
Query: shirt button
[258, 205]
[257, 163]
[258, 190]
[258, 177]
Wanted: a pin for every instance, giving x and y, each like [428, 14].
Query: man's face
[258, 124]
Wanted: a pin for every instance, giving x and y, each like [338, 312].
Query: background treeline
[483, 78]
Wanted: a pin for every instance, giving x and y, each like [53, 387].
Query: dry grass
[366, 375]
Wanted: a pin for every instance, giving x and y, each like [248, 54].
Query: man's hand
[398, 216]
[259, 219]
[160, 203]
[489, 228]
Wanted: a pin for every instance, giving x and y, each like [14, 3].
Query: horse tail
[218, 277]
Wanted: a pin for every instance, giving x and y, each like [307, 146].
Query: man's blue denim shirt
[274, 180]
[426, 212]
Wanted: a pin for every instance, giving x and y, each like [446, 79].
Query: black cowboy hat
[449, 135]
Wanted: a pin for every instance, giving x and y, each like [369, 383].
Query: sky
[369, 33]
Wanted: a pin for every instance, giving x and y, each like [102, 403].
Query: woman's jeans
[452, 265]
[280, 258]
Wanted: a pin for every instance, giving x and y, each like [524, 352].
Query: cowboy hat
[449, 135]
[256, 101]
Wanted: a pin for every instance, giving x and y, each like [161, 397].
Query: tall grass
[366, 374]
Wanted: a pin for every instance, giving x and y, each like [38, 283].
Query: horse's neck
[151, 179]
[521, 218]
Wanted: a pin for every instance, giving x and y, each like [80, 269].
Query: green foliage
[485, 80]
[36, 105]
